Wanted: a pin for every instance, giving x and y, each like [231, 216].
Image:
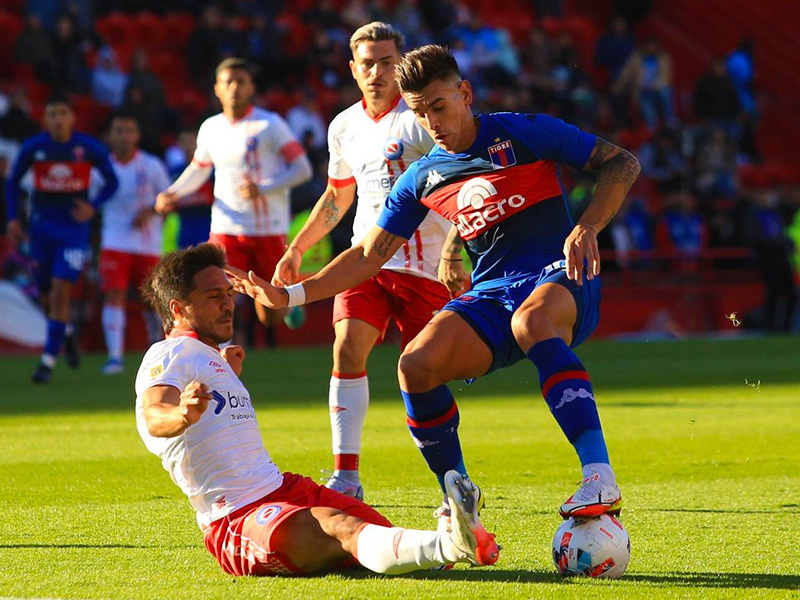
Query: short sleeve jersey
[254, 147]
[503, 193]
[373, 153]
[140, 180]
[220, 462]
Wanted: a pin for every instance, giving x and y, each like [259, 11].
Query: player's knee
[532, 326]
[348, 356]
[418, 370]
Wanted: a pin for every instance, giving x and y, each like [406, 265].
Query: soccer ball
[596, 547]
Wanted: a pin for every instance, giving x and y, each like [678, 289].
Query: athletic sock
[568, 392]
[114, 329]
[348, 400]
[394, 550]
[433, 421]
[56, 332]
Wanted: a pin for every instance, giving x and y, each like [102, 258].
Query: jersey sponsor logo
[266, 514]
[433, 178]
[61, 177]
[379, 184]
[220, 400]
[393, 148]
[479, 206]
[214, 363]
[502, 154]
[231, 400]
[156, 371]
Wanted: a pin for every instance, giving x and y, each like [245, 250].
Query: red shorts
[411, 300]
[118, 270]
[259, 254]
[241, 541]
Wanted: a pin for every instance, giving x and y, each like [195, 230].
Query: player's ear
[466, 92]
[353, 68]
[176, 308]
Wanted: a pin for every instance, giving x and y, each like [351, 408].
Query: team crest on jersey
[78, 152]
[156, 371]
[252, 142]
[266, 514]
[393, 148]
[502, 155]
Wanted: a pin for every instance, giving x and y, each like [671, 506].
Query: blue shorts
[57, 256]
[489, 312]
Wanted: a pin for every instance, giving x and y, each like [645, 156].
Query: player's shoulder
[346, 117]
[151, 160]
[262, 114]
[183, 348]
[38, 140]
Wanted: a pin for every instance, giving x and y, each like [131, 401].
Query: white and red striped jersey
[255, 147]
[373, 153]
[140, 180]
[220, 462]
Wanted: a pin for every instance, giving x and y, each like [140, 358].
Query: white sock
[348, 399]
[602, 469]
[394, 550]
[114, 329]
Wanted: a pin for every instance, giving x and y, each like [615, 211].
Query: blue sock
[433, 421]
[568, 392]
[56, 332]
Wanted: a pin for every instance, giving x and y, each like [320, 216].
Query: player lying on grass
[193, 411]
[535, 286]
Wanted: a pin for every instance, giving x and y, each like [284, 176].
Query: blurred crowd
[695, 192]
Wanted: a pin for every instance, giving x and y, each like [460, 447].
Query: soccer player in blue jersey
[61, 160]
[535, 286]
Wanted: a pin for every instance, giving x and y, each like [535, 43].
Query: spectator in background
[194, 210]
[549, 8]
[69, 73]
[537, 56]
[16, 124]
[614, 48]
[492, 52]
[662, 161]
[632, 230]
[647, 77]
[108, 80]
[150, 119]
[571, 91]
[765, 234]
[716, 100]
[203, 47]
[305, 118]
[682, 228]
[46, 11]
[141, 76]
[34, 47]
[716, 171]
[408, 18]
[741, 68]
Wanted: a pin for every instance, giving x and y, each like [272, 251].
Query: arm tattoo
[613, 164]
[383, 244]
[330, 212]
[453, 244]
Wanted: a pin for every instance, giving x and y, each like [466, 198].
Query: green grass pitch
[708, 467]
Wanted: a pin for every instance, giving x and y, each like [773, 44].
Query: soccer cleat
[114, 366]
[42, 374]
[595, 497]
[442, 514]
[295, 318]
[338, 484]
[72, 354]
[468, 537]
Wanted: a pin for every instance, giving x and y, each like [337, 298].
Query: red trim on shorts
[339, 375]
[557, 378]
[345, 462]
[292, 150]
[201, 164]
[434, 422]
[340, 183]
[377, 118]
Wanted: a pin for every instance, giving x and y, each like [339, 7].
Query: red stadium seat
[151, 31]
[10, 26]
[179, 28]
[116, 29]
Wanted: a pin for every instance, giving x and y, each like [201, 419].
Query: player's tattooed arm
[616, 170]
[330, 212]
[453, 244]
[384, 244]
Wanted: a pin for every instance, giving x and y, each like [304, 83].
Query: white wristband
[297, 294]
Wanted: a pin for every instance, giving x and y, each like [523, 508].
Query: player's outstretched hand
[194, 401]
[452, 274]
[579, 247]
[287, 271]
[16, 235]
[234, 356]
[166, 202]
[258, 289]
[82, 211]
